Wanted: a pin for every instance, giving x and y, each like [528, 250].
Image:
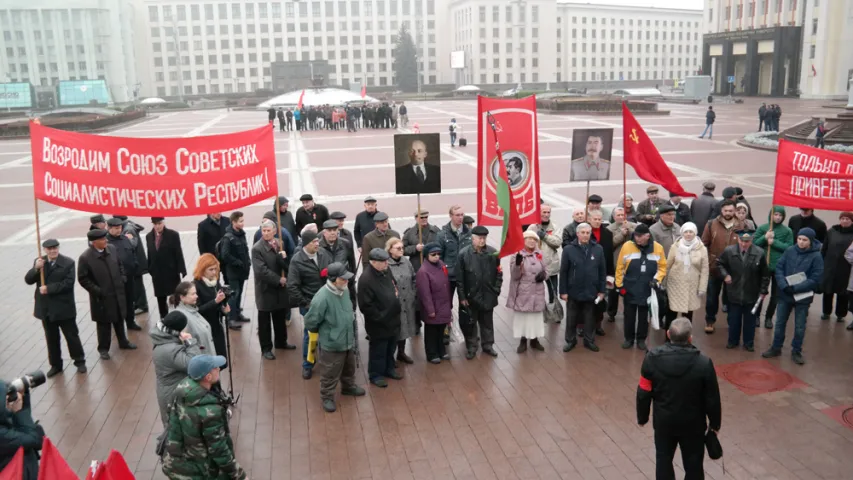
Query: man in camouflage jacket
[198, 443]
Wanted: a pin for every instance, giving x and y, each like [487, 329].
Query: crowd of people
[332, 117]
[685, 256]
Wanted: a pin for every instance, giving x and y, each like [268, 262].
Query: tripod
[223, 322]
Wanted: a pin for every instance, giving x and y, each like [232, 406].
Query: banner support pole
[586, 204]
[38, 237]
[420, 232]
[279, 226]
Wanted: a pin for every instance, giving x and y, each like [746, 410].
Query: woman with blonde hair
[212, 302]
[404, 274]
[526, 297]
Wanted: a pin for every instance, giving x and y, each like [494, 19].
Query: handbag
[553, 311]
[712, 443]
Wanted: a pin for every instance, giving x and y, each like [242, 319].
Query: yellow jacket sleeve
[313, 338]
[621, 266]
[661, 264]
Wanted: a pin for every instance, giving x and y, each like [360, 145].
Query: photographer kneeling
[17, 428]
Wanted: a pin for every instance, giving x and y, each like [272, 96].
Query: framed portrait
[417, 163]
[591, 153]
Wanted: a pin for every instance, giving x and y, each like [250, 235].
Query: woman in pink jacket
[434, 295]
[527, 293]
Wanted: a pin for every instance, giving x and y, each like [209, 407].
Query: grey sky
[683, 4]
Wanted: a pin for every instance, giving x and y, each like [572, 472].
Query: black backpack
[217, 249]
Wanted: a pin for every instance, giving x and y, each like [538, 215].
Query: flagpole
[420, 232]
[279, 226]
[586, 204]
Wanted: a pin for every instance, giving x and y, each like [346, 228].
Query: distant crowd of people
[329, 117]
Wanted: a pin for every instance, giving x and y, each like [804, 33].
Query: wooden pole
[420, 233]
[772, 222]
[38, 237]
[586, 204]
[279, 226]
[624, 185]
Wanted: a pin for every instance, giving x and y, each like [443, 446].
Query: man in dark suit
[55, 306]
[417, 176]
[165, 262]
[210, 231]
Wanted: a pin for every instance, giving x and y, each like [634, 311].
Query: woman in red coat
[434, 295]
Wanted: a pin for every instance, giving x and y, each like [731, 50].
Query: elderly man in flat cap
[310, 212]
[379, 302]
[479, 279]
[126, 254]
[165, 262]
[378, 237]
[364, 222]
[55, 306]
[348, 236]
[304, 279]
[100, 273]
[647, 210]
[339, 249]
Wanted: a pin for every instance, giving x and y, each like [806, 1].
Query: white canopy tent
[468, 88]
[316, 97]
[152, 101]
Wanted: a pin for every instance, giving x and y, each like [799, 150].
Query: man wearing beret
[479, 279]
[377, 238]
[55, 306]
[379, 302]
[304, 279]
[101, 274]
[702, 206]
[310, 212]
[364, 222]
[339, 249]
[344, 234]
[126, 255]
[165, 262]
[744, 270]
[413, 245]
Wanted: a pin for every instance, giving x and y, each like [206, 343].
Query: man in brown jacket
[719, 234]
[377, 237]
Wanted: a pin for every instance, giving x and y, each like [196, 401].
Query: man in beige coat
[622, 231]
[550, 238]
[377, 238]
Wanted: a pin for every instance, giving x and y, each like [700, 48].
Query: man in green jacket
[779, 238]
[331, 318]
[198, 443]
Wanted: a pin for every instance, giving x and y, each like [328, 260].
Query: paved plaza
[537, 415]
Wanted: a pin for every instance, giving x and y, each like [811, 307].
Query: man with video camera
[17, 428]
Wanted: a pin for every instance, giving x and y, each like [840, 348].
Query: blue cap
[201, 365]
[432, 247]
[807, 232]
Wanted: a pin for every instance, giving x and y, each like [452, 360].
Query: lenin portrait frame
[592, 150]
[417, 163]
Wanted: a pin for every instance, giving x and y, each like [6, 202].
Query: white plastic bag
[654, 318]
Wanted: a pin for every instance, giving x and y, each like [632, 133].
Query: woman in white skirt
[526, 296]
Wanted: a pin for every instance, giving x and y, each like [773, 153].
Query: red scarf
[596, 232]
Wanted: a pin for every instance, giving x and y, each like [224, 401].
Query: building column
[752, 68]
[706, 58]
[726, 66]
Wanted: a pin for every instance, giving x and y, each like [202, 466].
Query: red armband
[645, 384]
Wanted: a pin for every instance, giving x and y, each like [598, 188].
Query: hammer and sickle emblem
[634, 136]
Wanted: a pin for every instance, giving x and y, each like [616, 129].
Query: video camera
[227, 291]
[24, 384]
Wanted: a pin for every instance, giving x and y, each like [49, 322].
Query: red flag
[642, 154]
[301, 96]
[14, 469]
[512, 238]
[53, 466]
[90, 472]
[117, 467]
[363, 91]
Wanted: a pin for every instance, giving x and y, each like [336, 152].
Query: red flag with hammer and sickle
[642, 154]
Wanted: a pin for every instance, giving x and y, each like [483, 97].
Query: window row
[648, 49]
[263, 10]
[666, 23]
[317, 27]
[238, 43]
[603, 35]
[54, 67]
[521, 12]
[225, 59]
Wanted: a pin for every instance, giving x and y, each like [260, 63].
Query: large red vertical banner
[517, 132]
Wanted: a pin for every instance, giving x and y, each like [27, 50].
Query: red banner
[157, 177]
[517, 132]
[808, 177]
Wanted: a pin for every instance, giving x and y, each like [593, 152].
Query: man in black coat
[344, 234]
[236, 263]
[55, 306]
[18, 430]
[287, 221]
[602, 236]
[807, 218]
[379, 302]
[133, 231]
[364, 223]
[702, 207]
[210, 232]
[413, 246]
[270, 263]
[310, 212]
[165, 262]
[583, 282]
[417, 176]
[683, 385]
[339, 249]
[101, 274]
[126, 254]
[479, 279]
[304, 279]
[744, 270]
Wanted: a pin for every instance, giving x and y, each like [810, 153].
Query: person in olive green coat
[779, 239]
[331, 317]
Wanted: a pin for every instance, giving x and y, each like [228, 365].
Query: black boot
[522, 346]
[401, 353]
